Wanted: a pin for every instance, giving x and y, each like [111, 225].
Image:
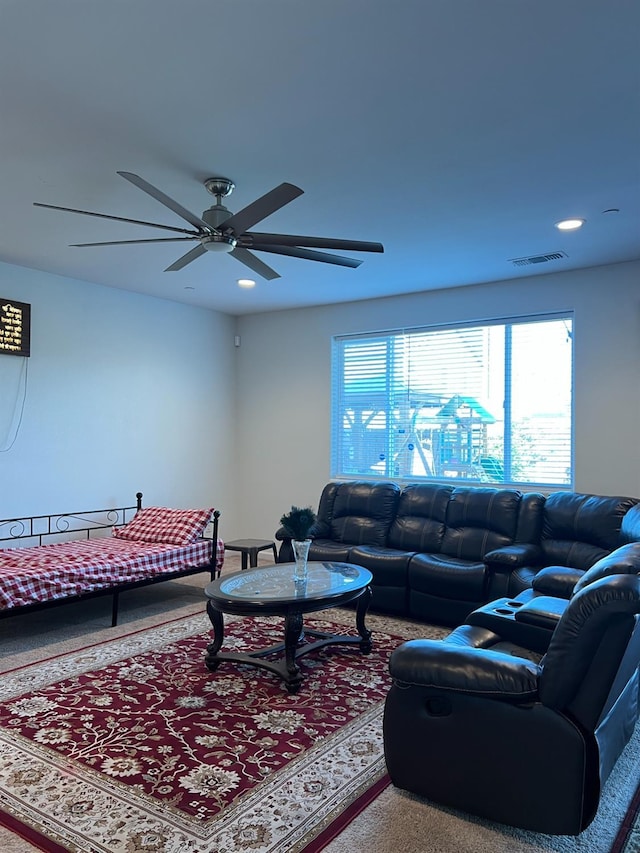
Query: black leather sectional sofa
[439, 552]
[520, 714]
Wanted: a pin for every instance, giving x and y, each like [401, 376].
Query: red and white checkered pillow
[160, 524]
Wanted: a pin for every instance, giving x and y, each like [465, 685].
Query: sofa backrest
[589, 648]
[322, 527]
[362, 512]
[579, 529]
[420, 519]
[480, 520]
[625, 560]
[630, 528]
[572, 529]
[530, 517]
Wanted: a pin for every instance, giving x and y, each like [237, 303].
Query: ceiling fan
[219, 230]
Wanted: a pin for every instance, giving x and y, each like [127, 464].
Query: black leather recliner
[419, 526]
[509, 737]
[448, 583]
[355, 518]
[577, 530]
[561, 581]
[530, 617]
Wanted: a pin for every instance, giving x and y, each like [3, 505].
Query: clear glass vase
[301, 555]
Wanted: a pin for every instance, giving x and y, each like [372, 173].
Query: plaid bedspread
[47, 572]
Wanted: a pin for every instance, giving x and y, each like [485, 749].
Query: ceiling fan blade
[261, 208]
[252, 238]
[129, 242]
[254, 263]
[308, 255]
[186, 259]
[182, 212]
[117, 218]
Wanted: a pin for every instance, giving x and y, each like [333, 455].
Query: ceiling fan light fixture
[569, 224]
[246, 282]
[218, 243]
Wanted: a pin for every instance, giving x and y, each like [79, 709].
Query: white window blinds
[490, 403]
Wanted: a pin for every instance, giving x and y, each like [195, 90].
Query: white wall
[127, 393]
[284, 379]
[124, 393]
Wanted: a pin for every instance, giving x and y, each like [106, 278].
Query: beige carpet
[395, 821]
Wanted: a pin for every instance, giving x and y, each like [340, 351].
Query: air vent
[537, 259]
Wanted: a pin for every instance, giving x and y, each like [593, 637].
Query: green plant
[298, 522]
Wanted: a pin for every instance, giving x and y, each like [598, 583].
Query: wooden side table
[249, 549]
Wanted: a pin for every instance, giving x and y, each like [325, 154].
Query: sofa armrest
[557, 581]
[543, 611]
[281, 535]
[285, 554]
[478, 672]
[316, 532]
[512, 557]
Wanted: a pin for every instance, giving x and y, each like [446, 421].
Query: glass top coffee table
[272, 591]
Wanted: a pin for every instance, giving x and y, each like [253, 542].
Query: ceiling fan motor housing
[216, 215]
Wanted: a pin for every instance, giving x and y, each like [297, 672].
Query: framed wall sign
[15, 327]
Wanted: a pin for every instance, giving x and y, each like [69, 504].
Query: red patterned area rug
[133, 745]
[628, 838]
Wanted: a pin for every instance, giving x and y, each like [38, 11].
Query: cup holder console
[502, 607]
[516, 621]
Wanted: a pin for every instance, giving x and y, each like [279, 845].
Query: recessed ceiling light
[569, 224]
[246, 282]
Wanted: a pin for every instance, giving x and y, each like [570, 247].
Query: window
[489, 403]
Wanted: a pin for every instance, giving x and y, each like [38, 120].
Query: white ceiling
[455, 132]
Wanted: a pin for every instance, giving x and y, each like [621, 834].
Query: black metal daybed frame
[45, 529]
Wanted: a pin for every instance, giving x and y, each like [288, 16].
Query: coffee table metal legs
[292, 636]
[286, 666]
[361, 612]
[215, 617]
